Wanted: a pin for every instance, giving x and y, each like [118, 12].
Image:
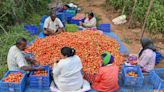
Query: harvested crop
[14, 77]
[134, 74]
[40, 73]
[89, 46]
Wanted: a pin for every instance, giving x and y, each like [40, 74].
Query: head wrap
[108, 59]
[146, 44]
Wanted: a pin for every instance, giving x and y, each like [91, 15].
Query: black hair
[146, 44]
[91, 14]
[103, 55]
[67, 6]
[52, 13]
[20, 40]
[67, 51]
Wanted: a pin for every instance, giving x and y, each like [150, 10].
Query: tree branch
[3, 15]
[4, 30]
[147, 15]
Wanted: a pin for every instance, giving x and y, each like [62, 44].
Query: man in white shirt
[16, 59]
[53, 25]
[89, 22]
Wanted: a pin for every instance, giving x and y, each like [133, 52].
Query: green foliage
[34, 19]
[3, 70]
[155, 20]
[17, 11]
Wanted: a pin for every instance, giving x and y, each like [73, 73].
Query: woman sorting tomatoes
[89, 22]
[146, 58]
[147, 55]
[67, 72]
[106, 79]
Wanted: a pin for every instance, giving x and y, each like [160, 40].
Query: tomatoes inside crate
[132, 76]
[40, 78]
[14, 81]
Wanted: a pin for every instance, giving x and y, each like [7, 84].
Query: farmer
[53, 25]
[67, 72]
[89, 22]
[16, 59]
[106, 80]
[147, 55]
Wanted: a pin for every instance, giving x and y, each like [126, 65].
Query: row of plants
[155, 20]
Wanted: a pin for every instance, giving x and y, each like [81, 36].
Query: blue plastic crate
[13, 87]
[157, 78]
[69, 16]
[146, 87]
[61, 16]
[159, 57]
[104, 27]
[130, 80]
[40, 81]
[42, 22]
[77, 22]
[31, 29]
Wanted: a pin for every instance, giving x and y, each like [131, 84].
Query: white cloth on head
[53, 25]
[67, 74]
[15, 59]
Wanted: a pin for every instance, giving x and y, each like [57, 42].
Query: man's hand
[28, 58]
[81, 23]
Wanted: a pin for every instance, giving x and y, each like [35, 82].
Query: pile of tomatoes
[14, 77]
[40, 73]
[134, 74]
[79, 16]
[89, 45]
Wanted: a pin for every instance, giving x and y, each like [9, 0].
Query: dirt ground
[130, 37]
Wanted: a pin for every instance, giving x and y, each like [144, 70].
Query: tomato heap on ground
[89, 45]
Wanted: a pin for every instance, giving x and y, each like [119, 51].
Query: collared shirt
[90, 23]
[147, 60]
[15, 59]
[53, 25]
